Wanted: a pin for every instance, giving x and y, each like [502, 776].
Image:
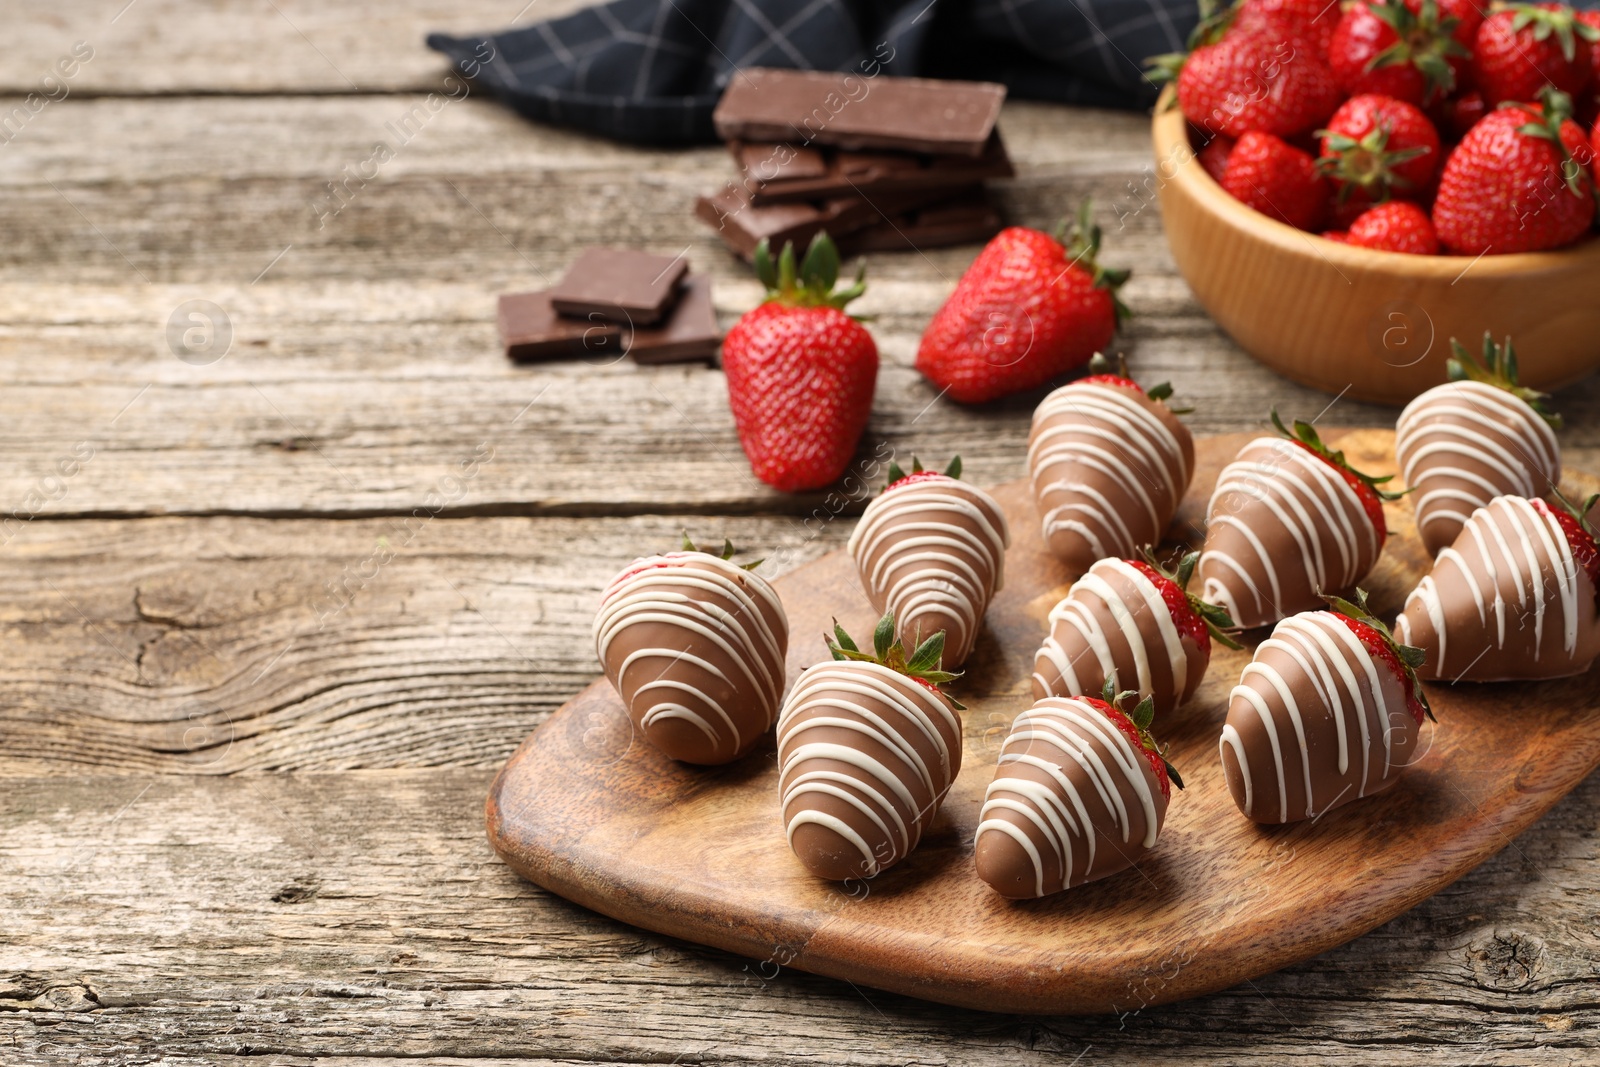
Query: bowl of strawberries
[1345, 190]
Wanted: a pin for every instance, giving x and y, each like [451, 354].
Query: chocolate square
[620, 284]
[531, 330]
[690, 334]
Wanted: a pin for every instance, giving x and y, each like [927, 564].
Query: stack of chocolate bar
[614, 302]
[882, 164]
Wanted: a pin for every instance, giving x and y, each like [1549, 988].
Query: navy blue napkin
[650, 71]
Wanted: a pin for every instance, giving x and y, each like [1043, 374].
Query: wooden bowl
[1376, 323]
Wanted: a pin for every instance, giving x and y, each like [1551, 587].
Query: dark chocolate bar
[777, 173]
[965, 220]
[531, 330]
[620, 284]
[742, 225]
[808, 108]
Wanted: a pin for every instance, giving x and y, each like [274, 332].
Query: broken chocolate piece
[852, 111]
[620, 284]
[690, 334]
[777, 173]
[531, 330]
[742, 225]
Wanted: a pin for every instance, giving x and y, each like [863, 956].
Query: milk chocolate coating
[694, 646]
[933, 553]
[1109, 468]
[1114, 623]
[1461, 445]
[1314, 723]
[1283, 527]
[1073, 799]
[865, 756]
[1505, 601]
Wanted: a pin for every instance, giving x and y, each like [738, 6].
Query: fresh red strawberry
[1574, 522]
[1525, 47]
[1381, 147]
[1337, 236]
[1368, 490]
[1192, 616]
[1214, 157]
[1514, 183]
[1029, 308]
[1313, 19]
[1258, 75]
[800, 371]
[1278, 180]
[1398, 226]
[1410, 51]
[1401, 661]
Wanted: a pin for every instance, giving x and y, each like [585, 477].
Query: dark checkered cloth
[650, 71]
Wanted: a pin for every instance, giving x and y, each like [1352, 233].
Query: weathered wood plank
[329, 919]
[293, 46]
[364, 363]
[212, 646]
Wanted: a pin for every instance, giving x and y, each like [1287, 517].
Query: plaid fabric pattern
[650, 71]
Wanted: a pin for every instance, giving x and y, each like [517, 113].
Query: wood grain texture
[251, 920]
[364, 362]
[165, 47]
[588, 809]
[1377, 323]
[214, 646]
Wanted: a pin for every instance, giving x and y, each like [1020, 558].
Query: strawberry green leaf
[843, 638]
[1498, 368]
[883, 636]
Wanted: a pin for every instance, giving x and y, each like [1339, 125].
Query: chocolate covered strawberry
[1133, 620]
[1329, 711]
[1522, 48]
[930, 550]
[1398, 226]
[1278, 180]
[801, 372]
[1110, 463]
[867, 749]
[1414, 51]
[694, 645]
[1514, 598]
[1517, 182]
[1030, 307]
[1378, 147]
[1080, 792]
[1290, 521]
[1478, 436]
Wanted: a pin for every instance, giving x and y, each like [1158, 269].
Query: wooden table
[266, 638]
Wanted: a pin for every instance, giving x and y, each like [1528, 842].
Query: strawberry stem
[1408, 656]
[1499, 369]
[1217, 621]
[812, 283]
[1306, 434]
[923, 664]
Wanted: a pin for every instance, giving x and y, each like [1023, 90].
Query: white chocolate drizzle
[882, 706]
[1311, 671]
[1517, 565]
[686, 591]
[1106, 429]
[918, 557]
[1096, 609]
[1462, 444]
[1331, 541]
[1052, 736]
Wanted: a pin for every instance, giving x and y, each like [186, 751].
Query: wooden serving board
[590, 811]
